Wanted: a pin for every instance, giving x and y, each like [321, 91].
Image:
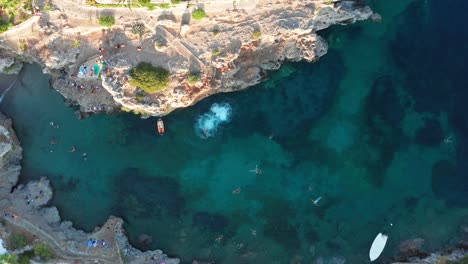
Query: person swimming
[236, 191]
[54, 125]
[73, 149]
[256, 170]
[84, 156]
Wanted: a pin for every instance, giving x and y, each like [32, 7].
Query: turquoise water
[364, 128]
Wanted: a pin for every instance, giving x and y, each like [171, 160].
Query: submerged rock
[412, 248]
[430, 134]
[214, 222]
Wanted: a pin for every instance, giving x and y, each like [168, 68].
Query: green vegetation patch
[13, 12]
[463, 260]
[10, 259]
[164, 5]
[198, 14]
[257, 34]
[96, 4]
[193, 78]
[149, 78]
[107, 21]
[43, 251]
[17, 241]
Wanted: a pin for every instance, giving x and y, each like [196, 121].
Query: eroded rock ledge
[25, 210]
[230, 50]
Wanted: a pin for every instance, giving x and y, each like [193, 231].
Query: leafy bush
[9, 259]
[198, 14]
[23, 46]
[25, 257]
[17, 241]
[193, 78]
[215, 52]
[149, 78]
[164, 5]
[175, 2]
[107, 21]
[256, 34]
[5, 26]
[215, 32]
[43, 251]
[138, 29]
[77, 43]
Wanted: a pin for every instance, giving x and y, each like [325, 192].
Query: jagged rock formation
[25, 209]
[231, 49]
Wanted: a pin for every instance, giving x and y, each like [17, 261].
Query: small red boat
[160, 126]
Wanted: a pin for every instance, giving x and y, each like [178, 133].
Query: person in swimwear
[73, 149]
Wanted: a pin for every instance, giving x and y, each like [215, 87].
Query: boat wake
[207, 124]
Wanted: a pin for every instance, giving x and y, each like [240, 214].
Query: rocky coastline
[231, 49]
[226, 61]
[25, 210]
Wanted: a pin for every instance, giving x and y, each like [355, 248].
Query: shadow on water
[436, 79]
[146, 196]
[384, 110]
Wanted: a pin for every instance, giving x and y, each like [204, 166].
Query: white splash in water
[207, 125]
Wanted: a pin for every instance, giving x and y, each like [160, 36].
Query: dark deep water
[364, 128]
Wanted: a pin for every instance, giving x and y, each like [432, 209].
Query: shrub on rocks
[17, 241]
[107, 21]
[198, 14]
[43, 251]
[149, 78]
[193, 78]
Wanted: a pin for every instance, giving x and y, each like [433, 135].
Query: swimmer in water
[54, 125]
[73, 149]
[52, 141]
[218, 239]
[256, 170]
[236, 191]
[253, 232]
[84, 156]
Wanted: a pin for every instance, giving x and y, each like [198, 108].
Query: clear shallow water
[363, 128]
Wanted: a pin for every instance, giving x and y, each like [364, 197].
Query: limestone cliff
[230, 49]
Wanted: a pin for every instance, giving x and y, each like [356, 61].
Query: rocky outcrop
[412, 248]
[10, 158]
[8, 64]
[26, 209]
[231, 49]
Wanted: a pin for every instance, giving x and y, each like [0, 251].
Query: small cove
[347, 128]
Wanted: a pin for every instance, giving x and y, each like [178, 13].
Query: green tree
[107, 21]
[43, 251]
[198, 14]
[149, 78]
[17, 241]
[8, 259]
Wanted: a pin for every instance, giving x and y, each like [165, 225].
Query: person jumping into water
[256, 170]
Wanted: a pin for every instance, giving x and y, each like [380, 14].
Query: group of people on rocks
[96, 243]
[29, 198]
[8, 215]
